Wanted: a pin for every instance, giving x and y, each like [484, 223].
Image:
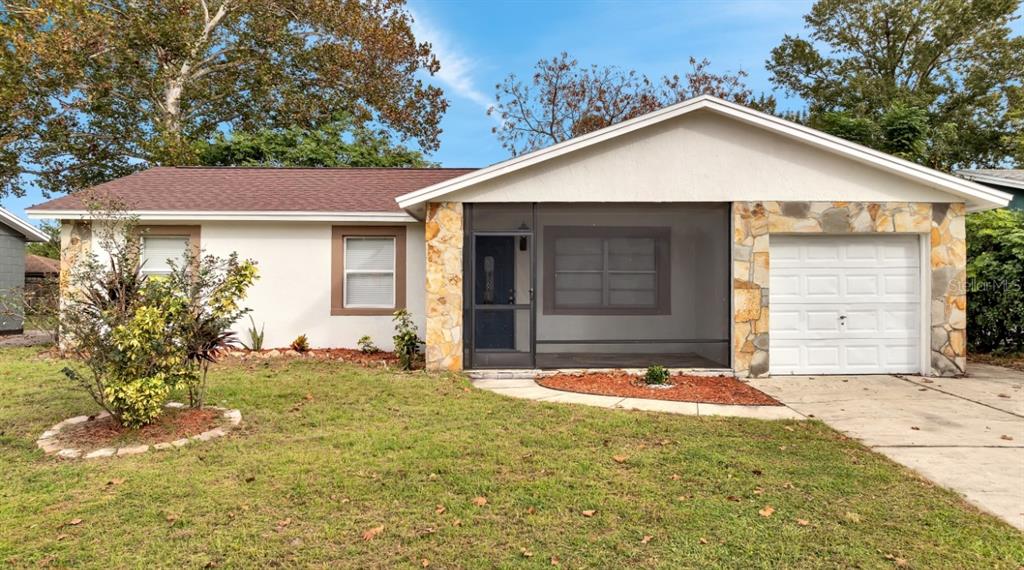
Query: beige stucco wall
[700, 157]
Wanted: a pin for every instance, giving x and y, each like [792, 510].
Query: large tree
[564, 99]
[930, 80]
[335, 144]
[91, 90]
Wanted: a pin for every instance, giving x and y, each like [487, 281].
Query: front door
[502, 300]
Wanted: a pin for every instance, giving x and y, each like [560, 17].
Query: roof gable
[27, 230]
[931, 183]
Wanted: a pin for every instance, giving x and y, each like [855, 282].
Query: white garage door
[845, 305]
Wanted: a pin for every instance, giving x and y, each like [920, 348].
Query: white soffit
[977, 196]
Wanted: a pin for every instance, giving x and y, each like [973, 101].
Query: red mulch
[685, 388]
[172, 424]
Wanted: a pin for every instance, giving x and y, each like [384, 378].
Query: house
[40, 270]
[14, 233]
[703, 235]
[1002, 179]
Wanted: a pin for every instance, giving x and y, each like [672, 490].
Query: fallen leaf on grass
[554, 561]
[440, 509]
[758, 491]
[526, 553]
[733, 498]
[619, 458]
[588, 513]
[171, 518]
[647, 538]
[531, 511]
[74, 522]
[457, 522]
[767, 511]
[373, 532]
[703, 540]
[480, 501]
[803, 522]
[852, 517]
[283, 524]
[114, 482]
[424, 563]
[675, 477]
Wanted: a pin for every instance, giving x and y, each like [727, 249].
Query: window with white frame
[369, 276]
[159, 251]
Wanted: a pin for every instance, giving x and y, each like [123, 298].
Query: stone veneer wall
[754, 222]
[444, 236]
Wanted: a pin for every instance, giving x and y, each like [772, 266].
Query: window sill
[363, 312]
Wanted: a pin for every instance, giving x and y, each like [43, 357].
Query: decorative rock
[163, 446]
[104, 452]
[175, 405]
[233, 416]
[181, 442]
[132, 450]
[73, 421]
[69, 453]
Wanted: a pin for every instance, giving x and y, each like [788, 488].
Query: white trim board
[30, 232]
[977, 196]
[184, 215]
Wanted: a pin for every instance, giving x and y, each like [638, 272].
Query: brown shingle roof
[37, 264]
[236, 189]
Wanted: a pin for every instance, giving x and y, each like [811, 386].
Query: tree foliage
[931, 80]
[94, 90]
[564, 99]
[49, 248]
[335, 144]
[995, 271]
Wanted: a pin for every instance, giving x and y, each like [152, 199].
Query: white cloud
[456, 69]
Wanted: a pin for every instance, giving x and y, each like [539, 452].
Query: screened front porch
[597, 285]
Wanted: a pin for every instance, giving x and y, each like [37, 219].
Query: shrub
[300, 344]
[366, 345]
[202, 296]
[995, 271]
[656, 374]
[407, 340]
[115, 327]
[255, 336]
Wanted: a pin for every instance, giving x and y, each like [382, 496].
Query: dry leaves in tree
[373, 532]
[588, 513]
[480, 501]
[767, 511]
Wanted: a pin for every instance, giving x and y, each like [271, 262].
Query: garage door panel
[845, 304]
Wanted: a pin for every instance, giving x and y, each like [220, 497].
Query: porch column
[750, 289]
[444, 232]
[949, 289]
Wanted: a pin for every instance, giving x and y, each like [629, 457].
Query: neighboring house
[14, 232]
[40, 270]
[1003, 179]
[703, 235]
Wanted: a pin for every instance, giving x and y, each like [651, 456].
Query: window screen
[369, 272]
[159, 251]
[615, 269]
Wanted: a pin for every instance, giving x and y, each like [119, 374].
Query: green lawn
[304, 478]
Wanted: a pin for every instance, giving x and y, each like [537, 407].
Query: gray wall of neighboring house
[12, 272]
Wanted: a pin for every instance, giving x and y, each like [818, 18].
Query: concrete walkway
[966, 434]
[525, 387]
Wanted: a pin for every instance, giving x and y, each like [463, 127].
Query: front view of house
[704, 235]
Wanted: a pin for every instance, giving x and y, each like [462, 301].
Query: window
[161, 244]
[609, 270]
[367, 270]
[158, 252]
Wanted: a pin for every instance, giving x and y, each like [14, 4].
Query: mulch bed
[172, 424]
[683, 388]
[350, 355]
[1015, 361]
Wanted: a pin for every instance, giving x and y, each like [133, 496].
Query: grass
[304, 478]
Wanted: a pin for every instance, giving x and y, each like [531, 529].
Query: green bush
[407, 340]
[995, 288]
[300, 344]
[366, 345]
[656, 374]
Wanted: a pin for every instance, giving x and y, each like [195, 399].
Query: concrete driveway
[966, 434]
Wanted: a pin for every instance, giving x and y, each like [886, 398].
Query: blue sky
[479, 43]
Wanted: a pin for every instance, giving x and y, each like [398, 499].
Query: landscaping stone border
[48, 440]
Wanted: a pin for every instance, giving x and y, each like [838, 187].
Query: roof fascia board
[183, 215]
[941, 181]
[30, 232]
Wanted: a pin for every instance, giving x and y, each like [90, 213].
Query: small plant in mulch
[366, 345]
[300, 344]
[656, 375]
